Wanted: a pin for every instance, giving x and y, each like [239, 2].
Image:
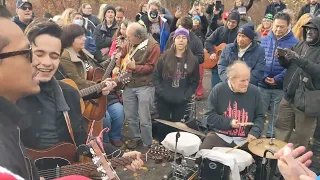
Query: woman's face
[77, 17]
[266, 24]
[181, 42]
[79, 42]
[123, 30]
[238, 3]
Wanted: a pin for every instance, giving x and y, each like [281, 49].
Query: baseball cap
[20, 3]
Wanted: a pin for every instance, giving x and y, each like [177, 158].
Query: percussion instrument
[181, 126]
[259, 146]
[224, 166]
[188, 143]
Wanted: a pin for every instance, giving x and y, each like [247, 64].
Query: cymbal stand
[175, 152]
[268, 167]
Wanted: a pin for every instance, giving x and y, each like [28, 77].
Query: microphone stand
[175, 152]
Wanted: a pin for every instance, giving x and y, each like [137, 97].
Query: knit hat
[181, 31]
[234, 16]
[20, 3]
[247, 30]
[225, 15]
[109, 7]
[268, 17]
[196, 17]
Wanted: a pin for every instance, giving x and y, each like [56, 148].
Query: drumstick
[246, 124]
[237, 146]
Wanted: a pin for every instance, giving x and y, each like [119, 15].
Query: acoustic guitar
[58, 161]
[208, 63]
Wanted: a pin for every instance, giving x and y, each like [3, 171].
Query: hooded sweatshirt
[22, 25]
[308, 65]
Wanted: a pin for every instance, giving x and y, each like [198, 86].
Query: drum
[217, 163]
[188, 143]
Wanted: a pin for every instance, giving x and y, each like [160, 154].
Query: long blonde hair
[101, 12]
[297, 29]
[66, 15]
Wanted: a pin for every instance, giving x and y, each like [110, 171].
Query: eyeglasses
[17, 53]
[26, 7]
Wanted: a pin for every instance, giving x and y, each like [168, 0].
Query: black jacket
[103, 35]
[306, 9]
[274, 8]
[195, 45]
[12, 152]
[308, 65]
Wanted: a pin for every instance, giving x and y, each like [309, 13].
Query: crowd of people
[272, 68]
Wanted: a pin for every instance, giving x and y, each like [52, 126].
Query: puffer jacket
[273, 69]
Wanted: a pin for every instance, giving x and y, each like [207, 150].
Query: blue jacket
[254, 57]
[273, 69]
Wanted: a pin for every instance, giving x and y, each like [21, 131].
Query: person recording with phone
[299, 109]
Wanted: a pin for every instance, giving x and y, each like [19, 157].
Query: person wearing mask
[246, 49]
[274, 7]
[175, 79]
[104, 32]
[265, 26]
[120, 17]
[156, 25]
[86, 11]
[224, 34]
[24, 14]
[312, 7]
[299, 109]
[240, 3]
[271, 85]
[143, 9]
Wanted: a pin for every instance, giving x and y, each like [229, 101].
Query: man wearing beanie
[244, 49]
[24, 14]
[224, 34]
[104, 32]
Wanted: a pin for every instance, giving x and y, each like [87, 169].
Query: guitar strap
[66, 117]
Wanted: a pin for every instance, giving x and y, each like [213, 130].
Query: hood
[316, 22]
[18, 22]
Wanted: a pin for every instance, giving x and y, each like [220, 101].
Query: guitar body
[74, 85]
[123, 63]
[96, 108]
[63, 150]
[208, 63]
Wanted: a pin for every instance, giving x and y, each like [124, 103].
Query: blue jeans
[215, 79]
[113, 120]
[273, 98]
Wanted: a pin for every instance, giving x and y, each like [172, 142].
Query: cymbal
[181, 126]
[259, 146]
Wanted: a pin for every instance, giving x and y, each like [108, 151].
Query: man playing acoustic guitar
[57, 104]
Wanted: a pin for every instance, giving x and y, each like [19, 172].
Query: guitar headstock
[124, 77]
[101, 161]
[160, 152]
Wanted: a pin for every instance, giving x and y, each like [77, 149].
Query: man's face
[109, 15]
[313, 2]
[231, 24]
[17, 75]
[120, 17]
[25, 12]
[130, 35]
[280, 27]
[241, 82]
[238, 3]
[154, 7]
[47, 51]
[87, 10]
[243, 41]
[312, 35]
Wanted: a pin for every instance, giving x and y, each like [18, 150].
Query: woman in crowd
[119, 37]
[86, 12]
[175, 78]
[297, 29]
[265, 26]
[143, 9]
[66, 16]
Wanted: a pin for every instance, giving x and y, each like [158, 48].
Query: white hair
[234, 68]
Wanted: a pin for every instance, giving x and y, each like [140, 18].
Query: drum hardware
[268, 168]
[181, 126]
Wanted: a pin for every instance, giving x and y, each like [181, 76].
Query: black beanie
[234, 16]
[109, 7]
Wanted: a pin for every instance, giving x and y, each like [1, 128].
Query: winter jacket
[13, 156]
[308, 65]
[306, 9]
[273, 68]
[195, 45]
[254, 57]
[274, 8]
[103, 35]
[22, 25]
[164, 30]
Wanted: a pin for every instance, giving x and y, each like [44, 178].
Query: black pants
[170, 112]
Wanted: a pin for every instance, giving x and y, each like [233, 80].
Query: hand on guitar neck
[109, 85]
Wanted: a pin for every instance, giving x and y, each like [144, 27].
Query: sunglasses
[26, 7]
[17, 53]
